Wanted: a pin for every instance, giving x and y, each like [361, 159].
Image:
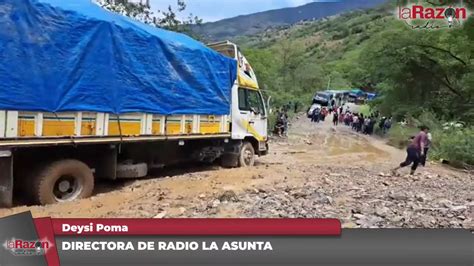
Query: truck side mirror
[270, 110]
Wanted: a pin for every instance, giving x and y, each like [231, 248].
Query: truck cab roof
[246, 76]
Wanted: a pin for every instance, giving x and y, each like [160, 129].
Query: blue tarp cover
[72, 55]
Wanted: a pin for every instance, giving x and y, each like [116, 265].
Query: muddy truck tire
[247, 155]
[61, 181]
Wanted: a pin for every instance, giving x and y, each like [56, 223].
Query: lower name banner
[45, 241]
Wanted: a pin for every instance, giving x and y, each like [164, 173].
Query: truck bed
[38, 128]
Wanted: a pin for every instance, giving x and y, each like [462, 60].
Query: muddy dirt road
[319, 171]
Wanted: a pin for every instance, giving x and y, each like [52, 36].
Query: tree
[141, 11]
[417, 71]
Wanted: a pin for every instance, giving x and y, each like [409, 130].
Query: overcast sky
[212, 10]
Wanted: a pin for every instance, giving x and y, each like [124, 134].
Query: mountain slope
[258, 22]
[373, 50]
[295, 62]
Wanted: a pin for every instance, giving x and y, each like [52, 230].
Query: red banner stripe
[204, 227]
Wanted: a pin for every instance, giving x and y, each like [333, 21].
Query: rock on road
[319, 171]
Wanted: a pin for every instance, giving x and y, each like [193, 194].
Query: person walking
[324, 113]
[366, 126]
[372, 123]
[415, 151]
[429, 139]
[280, 123]
[361, 123]
[315, 115]
[335, 118]
[285, 123]
[348, 119]
[355, 122]
[387, 125]
[382, 123]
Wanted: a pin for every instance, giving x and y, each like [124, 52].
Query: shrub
[399, 135]
[454, 145]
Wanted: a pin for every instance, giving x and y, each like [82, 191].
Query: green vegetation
[365, 110]
[449, 142]
[415, 72]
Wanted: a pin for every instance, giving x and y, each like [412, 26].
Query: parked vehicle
[115, 99]
[322, 98]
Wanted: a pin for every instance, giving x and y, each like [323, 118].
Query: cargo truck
[87, 95]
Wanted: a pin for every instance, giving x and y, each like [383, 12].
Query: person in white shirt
[423, 158]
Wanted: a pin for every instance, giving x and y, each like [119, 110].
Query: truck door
[252, 111]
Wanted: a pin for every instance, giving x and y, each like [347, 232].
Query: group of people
[417, 150]
[366, 124]
[319, 114]
[282, 119]
[358, 122]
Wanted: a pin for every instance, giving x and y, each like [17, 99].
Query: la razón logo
[432, 17]
[20, 247]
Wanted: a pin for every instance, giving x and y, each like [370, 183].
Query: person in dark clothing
[285, 123]
[382, 122]
[365, 127]
[361, 123]
[315, 115]
[372, 123]
[296, 106]
[280, 124]
[415, 151]
[335, 118]
[387, 125]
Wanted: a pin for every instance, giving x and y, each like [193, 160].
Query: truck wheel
[61, 181]
[247, 155]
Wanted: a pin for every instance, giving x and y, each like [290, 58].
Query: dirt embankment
[319, 171]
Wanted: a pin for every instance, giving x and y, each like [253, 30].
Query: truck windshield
[323, 96]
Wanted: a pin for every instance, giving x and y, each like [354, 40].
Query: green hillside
[425, 76]
[369, 49]
[295, 62]
[256, 23]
